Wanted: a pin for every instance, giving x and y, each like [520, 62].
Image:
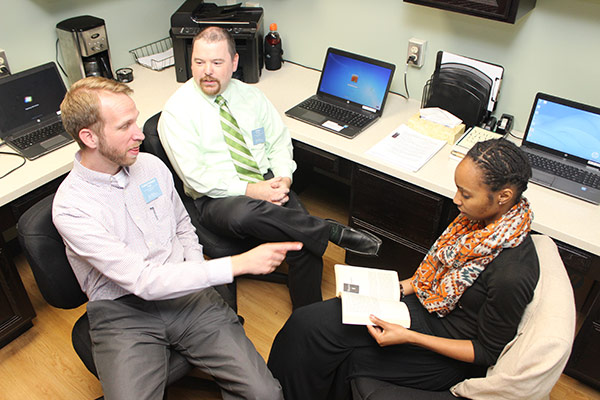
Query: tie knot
[220, 100]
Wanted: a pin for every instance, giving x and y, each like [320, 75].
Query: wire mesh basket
[157, 55]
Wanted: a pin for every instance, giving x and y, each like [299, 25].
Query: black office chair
[214, 246]
[364, 388]
[45, 252]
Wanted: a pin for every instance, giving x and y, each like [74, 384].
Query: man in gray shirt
[135, 254]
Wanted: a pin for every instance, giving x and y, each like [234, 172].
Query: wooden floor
[41, 363]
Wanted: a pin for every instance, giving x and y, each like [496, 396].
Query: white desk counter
[32, 174]
[564, 218]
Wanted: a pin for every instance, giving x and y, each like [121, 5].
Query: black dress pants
[242, 217]
[315, 356]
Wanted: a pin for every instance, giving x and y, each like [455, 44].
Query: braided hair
[503, 164]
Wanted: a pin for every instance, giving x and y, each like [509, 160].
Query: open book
[366, 291]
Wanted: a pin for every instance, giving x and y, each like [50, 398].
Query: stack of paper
[439, 116]
[406, 148]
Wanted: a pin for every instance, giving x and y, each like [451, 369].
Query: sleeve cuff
[283, 172]
[219, 271]
[238, 188]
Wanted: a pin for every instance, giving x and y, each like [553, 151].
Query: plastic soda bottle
[273, 50]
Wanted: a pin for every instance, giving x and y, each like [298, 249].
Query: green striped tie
[245, 165]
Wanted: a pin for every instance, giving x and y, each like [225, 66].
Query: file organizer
[466, 87]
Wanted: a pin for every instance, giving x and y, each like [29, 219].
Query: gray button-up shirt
[130, 233]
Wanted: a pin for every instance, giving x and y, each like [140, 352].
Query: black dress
[314, 355]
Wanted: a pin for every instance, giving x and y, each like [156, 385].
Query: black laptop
[351, 94]
[562, 141]
[30, 111]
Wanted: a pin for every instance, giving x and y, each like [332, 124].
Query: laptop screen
[355, 78]
[566, 127]
[30, 98]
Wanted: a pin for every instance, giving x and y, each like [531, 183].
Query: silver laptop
[30, 111]
[350, 96]
[562, 141]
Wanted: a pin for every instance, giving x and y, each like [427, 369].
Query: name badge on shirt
[151, 190]
[258, 136]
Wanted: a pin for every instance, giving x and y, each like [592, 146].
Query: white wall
[28, 27]
[553, 49]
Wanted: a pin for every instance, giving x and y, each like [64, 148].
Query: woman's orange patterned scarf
[462, 252]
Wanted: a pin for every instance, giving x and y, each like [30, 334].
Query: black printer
[244, 23]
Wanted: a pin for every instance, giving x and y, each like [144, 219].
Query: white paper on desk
[440, 116]
[406, 148]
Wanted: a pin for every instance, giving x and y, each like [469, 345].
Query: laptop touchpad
[53, 141]
[313, 116]
[542, 177]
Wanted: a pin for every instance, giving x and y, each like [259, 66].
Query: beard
[212, 90]
[110, 153]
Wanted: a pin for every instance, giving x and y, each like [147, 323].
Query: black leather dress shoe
[354, 240]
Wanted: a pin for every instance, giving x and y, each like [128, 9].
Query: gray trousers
[132, 339]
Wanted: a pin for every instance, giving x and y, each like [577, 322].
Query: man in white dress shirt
[135, 254]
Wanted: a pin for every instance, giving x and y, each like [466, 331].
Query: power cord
[15, 168]
[302, 65]
[410, 58]
[515, 136]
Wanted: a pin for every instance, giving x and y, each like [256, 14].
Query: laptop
[351, 94]
[562, 141]
[30, 111]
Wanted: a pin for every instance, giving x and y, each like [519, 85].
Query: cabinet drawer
[583, 363]
[400, 208]
[578, 264]
[306, 155]
[396, 253]
[16, 311]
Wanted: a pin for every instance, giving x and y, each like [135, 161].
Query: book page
[380, 283]
[356, 310]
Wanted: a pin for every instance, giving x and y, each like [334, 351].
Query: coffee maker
[84, 47]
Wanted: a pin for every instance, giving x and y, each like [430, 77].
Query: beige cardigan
[532, 362]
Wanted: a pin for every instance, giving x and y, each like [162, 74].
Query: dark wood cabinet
[16, 311]
[500, 10]
[408, 219]
[313, 162]
[583, 269]
[583, 363]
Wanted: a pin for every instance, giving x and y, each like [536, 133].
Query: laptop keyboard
[338, 113]
[35, 137]
[565, 171]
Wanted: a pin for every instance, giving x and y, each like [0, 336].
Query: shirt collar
[211, 99]
[120, 179]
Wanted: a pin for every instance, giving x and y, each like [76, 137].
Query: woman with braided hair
[466, 298]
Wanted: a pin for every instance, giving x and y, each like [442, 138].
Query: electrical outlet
[4, 69]
[416, 52]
